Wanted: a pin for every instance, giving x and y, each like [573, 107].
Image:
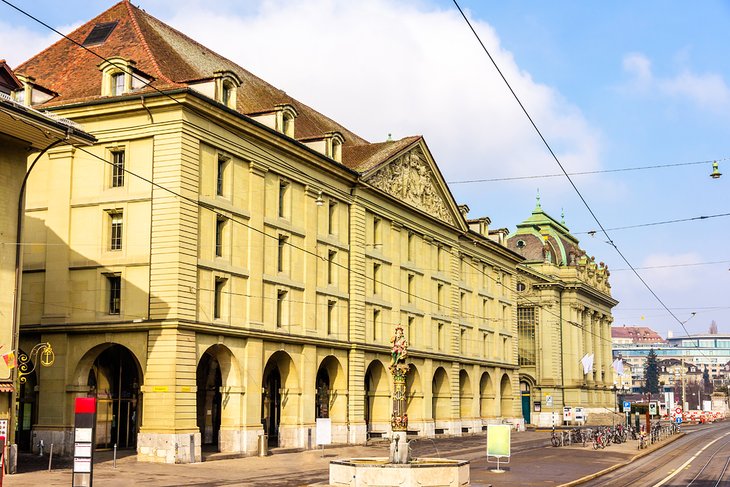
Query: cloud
[405, 68]
[708, 91]
[26, 42]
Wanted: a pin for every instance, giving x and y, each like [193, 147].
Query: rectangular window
[376, 324]
[218, 297]
[117, 84]
[411, 330]
[439, 258]
[220, 225]
[526, 343]
[377, 278]
[331, 309]
[220, 175]
[411, 247]
[114, 284]
[441, 336]
[281, 308]
[463, 342]
[485, 309]
[117, 168]
[332, 218]
[280, 261]
[440, 296]
[331, 266]
[115, 234]
[411, 288]
[462, 304]
[377, 234]
[283, 199]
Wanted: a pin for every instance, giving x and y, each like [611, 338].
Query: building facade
[563, 315]
[23, 132]
[227, 262]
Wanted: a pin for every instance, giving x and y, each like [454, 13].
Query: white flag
[587, 362]
[618, 366]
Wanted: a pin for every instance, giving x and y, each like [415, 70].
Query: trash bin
[263, 445]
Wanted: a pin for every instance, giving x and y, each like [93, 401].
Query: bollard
[40, 448]
[114, 462]
[50, 457]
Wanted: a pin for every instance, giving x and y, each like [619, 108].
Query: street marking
[685, 464]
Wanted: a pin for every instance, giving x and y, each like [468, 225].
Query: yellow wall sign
[160, 388]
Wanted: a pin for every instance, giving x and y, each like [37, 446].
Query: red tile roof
[638, 334]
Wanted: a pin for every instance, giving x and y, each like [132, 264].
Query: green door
[526, 407]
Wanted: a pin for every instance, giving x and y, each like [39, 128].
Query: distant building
[634, 334]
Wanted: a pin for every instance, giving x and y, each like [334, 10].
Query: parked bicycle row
[603, 436]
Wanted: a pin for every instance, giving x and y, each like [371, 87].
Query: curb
[619, 465]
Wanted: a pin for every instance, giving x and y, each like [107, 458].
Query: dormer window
[285, 115]
[334, 145]
[226, 84]
[119, 77]
[30, 93]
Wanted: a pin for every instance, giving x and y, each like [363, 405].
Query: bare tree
[713, 328]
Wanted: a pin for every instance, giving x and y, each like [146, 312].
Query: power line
[584, 173]
[653, 224]
[562, 168]
[671, 266]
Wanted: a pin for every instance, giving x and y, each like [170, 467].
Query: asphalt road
[700, 458]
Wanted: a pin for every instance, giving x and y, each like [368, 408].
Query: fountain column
[399, 419]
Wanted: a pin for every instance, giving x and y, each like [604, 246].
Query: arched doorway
[486, 396]
[114, 380]
[322, 394]
[209, 381]
[465, 396]
[441, 400]
[27, 404]
[526, 400]
[276, 407]
[505, 393]
[377, 395]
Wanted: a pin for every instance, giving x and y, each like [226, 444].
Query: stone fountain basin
[420, 472]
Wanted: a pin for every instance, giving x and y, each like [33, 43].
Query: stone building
[227, 262]
[24, 133]
[563, 314]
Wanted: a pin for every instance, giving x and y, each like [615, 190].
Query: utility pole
[684, 388]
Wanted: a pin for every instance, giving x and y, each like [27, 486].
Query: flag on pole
[9, 359]
[587, 362]
[618, 366]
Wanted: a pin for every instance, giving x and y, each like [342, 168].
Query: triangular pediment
[413, 178]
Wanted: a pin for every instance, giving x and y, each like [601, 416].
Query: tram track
[707, 463]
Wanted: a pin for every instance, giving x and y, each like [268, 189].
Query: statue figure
[400, 348]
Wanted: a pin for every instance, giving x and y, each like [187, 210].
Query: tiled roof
[636, 333]
[174, 60]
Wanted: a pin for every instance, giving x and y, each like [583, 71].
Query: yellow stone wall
[459, 311]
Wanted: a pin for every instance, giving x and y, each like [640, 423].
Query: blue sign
[627, 406]
[678, 420]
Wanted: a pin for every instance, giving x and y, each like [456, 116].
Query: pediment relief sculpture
[409, 179]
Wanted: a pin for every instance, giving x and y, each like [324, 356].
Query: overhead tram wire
[210, 207]
[562, 168]
[653, 224]
[585, 173]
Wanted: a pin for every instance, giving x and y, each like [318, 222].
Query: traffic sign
[678, 410]
[678, 420]
[627, 406]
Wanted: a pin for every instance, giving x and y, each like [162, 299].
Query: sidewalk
[533, 463]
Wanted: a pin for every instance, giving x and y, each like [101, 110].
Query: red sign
[678, 410]
[85, 405]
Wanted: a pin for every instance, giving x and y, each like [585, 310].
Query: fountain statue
[399, 469]
[399, 451]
